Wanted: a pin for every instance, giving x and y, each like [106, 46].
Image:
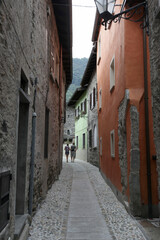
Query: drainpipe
[31, 185]
[147, 125]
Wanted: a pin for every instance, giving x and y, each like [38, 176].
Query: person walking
[67, 151]
[73, 152]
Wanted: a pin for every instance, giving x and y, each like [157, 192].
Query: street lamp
[105, 9]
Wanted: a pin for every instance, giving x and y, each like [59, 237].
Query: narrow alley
[80, 205]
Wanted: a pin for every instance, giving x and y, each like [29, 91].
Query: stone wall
[134, 177]
[92, 152]
[154, 44]
[122, 144]
[69, 126]
[28, 35]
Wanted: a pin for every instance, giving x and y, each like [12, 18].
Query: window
[46, 133]
[100, 144]
[85, 106]
[99, 49]
[83, 140]
[24, 82]
[77, 142]
[5, 178]
[112, 74]
[76, 113]
[90, 100]
[100, 99]
[112, 142]
[95, 136]
[81, 107]
[68, 132]
[94, 97]
[90, 138]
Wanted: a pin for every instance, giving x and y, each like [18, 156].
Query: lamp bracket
[128, 14]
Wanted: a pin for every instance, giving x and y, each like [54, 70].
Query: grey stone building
[35, 71]
[69, 126]
[154, 42]
[90, 79]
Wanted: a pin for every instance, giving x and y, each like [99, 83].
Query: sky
[83, 21]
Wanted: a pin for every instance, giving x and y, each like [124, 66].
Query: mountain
[79, 65]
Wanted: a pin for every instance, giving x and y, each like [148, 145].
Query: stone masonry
[93, 152]
[154, 40]
[30, 51]
[69, 126]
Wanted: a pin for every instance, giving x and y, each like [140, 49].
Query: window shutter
[90, 100]
[4, 198]
[94, 97]
[85, 106]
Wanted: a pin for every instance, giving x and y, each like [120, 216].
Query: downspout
[31, 185]
[147, 124]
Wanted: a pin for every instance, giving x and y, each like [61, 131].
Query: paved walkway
[81, 206]
[85, 219]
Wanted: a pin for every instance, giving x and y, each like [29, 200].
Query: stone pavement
[81, 206]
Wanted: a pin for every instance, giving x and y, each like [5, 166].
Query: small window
[112, 142]
[94, 97]
[100, 99]
[85, 106]
[112, 74]
[90, 101]
[68, 132]
[100, 144]
[77, 142]
[83, 140]
[24, 82]
[81, 107]
[95, 136]
[76, 113]
[90, 138]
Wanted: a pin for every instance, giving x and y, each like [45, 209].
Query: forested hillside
[79, 65]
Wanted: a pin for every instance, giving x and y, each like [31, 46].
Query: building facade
[35, 70]
[79, 101]
[90, 80]
[154, 44]
[125, 130]
[69, 126]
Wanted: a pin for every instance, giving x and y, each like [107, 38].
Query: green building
[79, 101]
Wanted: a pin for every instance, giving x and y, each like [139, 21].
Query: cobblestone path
[50, 221]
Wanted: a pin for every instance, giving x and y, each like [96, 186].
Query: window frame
[95, 136]
[77, 142]
[90, 138]
[112, 143]
[112, 74]
[84, 140]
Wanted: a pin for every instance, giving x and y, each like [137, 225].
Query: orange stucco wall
[124, 40]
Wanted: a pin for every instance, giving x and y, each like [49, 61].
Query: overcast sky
[83, 21]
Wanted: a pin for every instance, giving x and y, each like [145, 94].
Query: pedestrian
[73, 152]
[67, 151]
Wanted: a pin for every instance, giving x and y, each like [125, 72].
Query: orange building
[126, 142]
